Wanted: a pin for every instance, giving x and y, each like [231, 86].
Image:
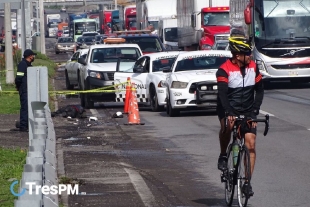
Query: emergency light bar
[110, 40]
[133, 32]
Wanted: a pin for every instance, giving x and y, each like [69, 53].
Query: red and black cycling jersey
[240, 90]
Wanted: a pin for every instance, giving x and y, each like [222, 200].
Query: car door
[71, 65]
[138, 73]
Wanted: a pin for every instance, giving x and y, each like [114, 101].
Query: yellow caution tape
[105, 89]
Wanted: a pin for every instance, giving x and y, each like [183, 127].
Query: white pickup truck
[147, 74]
[191, 83]
[72, 69]
[98, 70]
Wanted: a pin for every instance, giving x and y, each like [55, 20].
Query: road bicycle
[238, 169]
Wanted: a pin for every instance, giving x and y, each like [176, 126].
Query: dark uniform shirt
[21, 76]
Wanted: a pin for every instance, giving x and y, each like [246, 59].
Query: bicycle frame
[239, 155]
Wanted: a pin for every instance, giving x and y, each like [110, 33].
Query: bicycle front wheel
[244, 175]
[230, 175]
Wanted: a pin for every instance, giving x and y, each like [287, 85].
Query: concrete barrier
[41, 163]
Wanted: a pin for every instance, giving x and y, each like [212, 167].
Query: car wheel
[154, 100]
[79, 83]
[57, 53]
[68, 85]
[88, 103]
[170, 111]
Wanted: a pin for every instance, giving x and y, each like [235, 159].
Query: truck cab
[215, 24]
[168, 32]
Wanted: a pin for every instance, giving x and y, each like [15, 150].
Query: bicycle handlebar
[242, 118]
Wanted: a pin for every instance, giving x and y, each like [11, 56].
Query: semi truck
[150, 11]
[168, 28]
[105, 21]
[280, 35]
[130, 17]
[51, 24]
[195, 30]
[215, 23]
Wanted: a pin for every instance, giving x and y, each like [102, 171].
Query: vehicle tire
[170, 111]
[68, 85]
[154, 100]
[230, 175]
[88, 103]
[82, 99]
[244, 173]
[2, 49]
[79, 83]
[56, 53]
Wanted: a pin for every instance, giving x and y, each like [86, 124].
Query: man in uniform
[21, 86]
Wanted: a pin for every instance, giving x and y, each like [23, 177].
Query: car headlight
[260, 65]
[95, 75]
[178, 84]
[206, 47]
[58, 45]
[161, 84]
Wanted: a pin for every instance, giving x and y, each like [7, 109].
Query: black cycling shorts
[221, 115]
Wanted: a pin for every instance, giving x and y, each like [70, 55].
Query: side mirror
[247, 15]
[82, 61]
[138, 70]
[193, 20]
[73, 59]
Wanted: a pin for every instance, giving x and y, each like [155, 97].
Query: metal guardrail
[41, 162]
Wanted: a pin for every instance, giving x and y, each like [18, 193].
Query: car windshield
[216, 19]
[89, 39]
[161, 63]
[98, 38]
[104, 55]
[199, 63]
[89, 34]
[65, 40]
[171, 34]
[146, 44]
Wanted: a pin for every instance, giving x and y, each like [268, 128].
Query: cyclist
[240, 91]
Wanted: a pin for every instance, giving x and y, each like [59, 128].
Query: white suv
[98, 70]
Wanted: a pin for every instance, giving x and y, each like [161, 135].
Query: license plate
[209, 97]
[293, 73]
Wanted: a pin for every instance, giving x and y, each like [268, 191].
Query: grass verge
[11, 167]
[9, 103]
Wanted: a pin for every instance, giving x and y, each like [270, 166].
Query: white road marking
[140, 186]
[265, 112]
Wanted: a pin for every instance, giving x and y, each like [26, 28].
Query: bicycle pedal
[223, 178]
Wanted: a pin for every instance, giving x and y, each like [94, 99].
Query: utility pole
[42, 27]
[115, 4]
[8, 44]
[23, 27]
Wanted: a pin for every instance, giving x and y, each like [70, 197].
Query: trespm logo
[45, 189]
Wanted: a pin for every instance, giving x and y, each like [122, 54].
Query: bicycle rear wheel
[230, 175]
[244, 175]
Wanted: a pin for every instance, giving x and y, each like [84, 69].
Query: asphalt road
[175, 159]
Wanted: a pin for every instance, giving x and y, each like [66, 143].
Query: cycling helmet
[240, 45]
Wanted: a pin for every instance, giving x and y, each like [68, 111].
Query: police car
[191, 83]
[99, 66]
[147, 74]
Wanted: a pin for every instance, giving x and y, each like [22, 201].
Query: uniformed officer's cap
[28, 52]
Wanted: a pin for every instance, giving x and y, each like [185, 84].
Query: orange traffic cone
[127, 97]
[133, 114]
